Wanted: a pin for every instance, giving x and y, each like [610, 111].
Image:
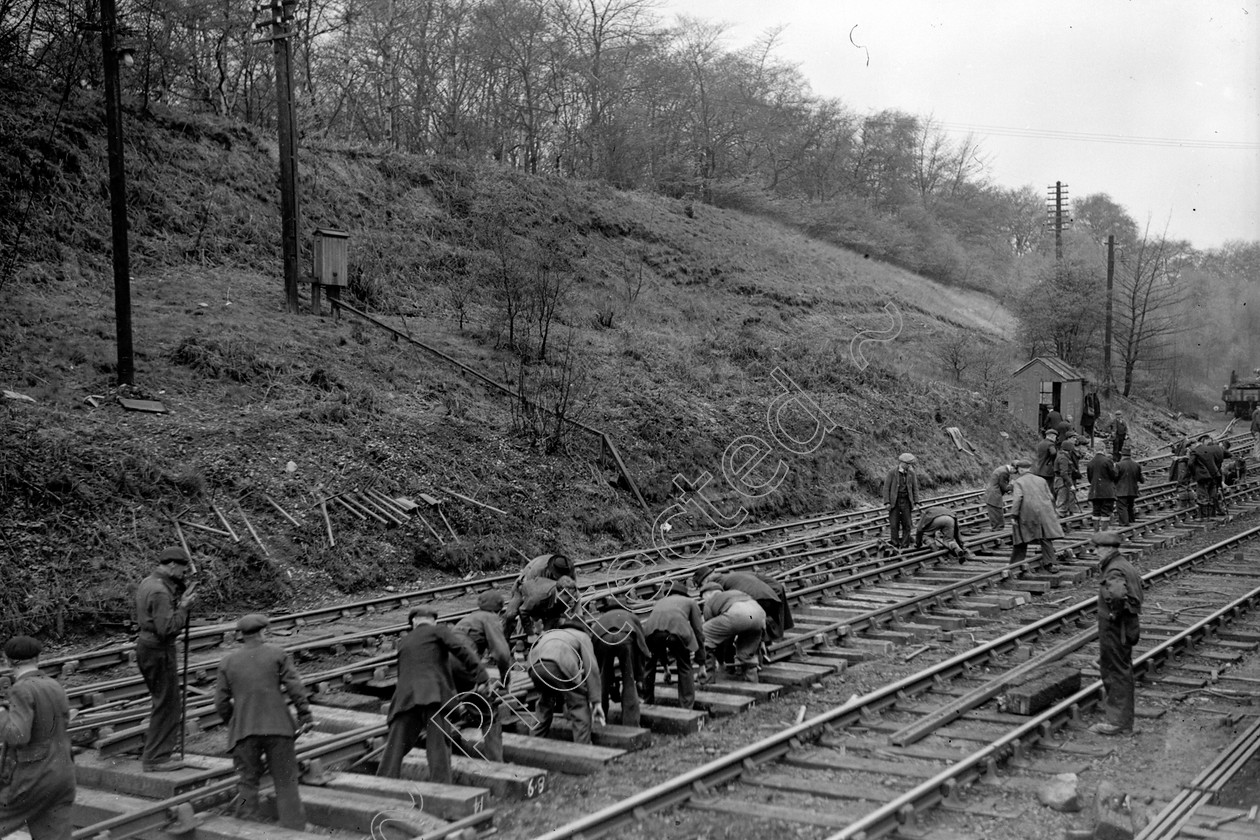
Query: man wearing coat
[1255, 430]
[1033, 519]
[622, 653]
[482, 629]
[1043, 459]
[252, 693]
[1119, 434]
[565, 672]
[1128, 477]
[162, 604]
[999, 485]
[544, 567]
[674, 630]
[766, 591]
[901, 495]
[733, 619]
[1102, 488]
[425, 684]
[941, 525]
[1206, 475]
[1066, 475]
[39, 793]
[1091, 410]
[1119, 608]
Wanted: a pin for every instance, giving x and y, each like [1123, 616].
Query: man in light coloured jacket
[564, 670]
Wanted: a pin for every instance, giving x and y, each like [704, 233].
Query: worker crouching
[732, 621]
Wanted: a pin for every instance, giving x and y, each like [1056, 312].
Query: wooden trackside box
[1041, 690]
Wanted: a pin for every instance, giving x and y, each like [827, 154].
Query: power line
[1094, 137]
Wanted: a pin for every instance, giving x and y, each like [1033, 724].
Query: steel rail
[731, 766]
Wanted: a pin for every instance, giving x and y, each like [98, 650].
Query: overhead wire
[1097, 137]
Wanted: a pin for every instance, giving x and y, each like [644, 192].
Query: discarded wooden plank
[1042, 691]
[226, 524]
[473, 501]
[252, 532]
[200, 527]
[283, 512]
[149, 406]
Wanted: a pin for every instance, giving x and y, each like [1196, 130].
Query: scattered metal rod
[283, 512]
[252, 532]
[354, 509]
[225, 522]
[472, 501]
[203, 527]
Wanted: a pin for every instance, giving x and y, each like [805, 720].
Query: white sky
[1182, 76]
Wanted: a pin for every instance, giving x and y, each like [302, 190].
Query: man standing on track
[1043, 461]
[1129, 476]
[161, 613]
[998, 486]
[1033, 519]
[1091, 410]
[1207, 476]
[36, 771]
[1119, 434]
[253, 690]
[1066, 474]
[1255, 431]
[1119, 629]
[901, 495]
[1102, 488]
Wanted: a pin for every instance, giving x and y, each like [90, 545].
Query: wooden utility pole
[1108, 382]
[117, 192]
[282, 13]
[1057, 198]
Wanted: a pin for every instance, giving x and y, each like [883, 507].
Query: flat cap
[421, 611]
[906, 458]
[1128, 450]
[1050, 432]
[1022, 464]
[1106, 538]
[252, 623]
[174, 554]
[701, 574]
[20, 648]
[491, 600]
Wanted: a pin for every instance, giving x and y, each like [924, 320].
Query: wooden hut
[1046, 383]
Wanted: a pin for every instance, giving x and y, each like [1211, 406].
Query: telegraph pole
[282, 13]
[1055, 202]
[1108, 383]
[117, 192]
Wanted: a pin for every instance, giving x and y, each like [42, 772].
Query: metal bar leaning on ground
[283, 512]
[472, 501]
[226, 524]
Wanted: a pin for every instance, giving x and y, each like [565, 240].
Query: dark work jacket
[424, 671]
[612, 628]
[484, 630]
[1043, 462]
[1129, 474]
[678, 615]
[33, 730]
[929, 517]
[157, 612]
[253, 690]
[1053, 418]
[1120, 596]
[1091, 407]
[1203, 464]
[892, 481]
[748, 583]
[1102, 477]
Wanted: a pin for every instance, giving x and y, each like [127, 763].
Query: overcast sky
[1168, 90]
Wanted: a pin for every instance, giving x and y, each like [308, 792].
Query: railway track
[825, 562]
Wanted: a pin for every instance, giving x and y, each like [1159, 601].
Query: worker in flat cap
[1128, 477]
[36, 771]
[540, 594]
[674, 630]
[256, 684]
[1045, 454]
[162, 603]
[1119, 629]
[770, 593]
[734, 623]
[425, 684]
[998, 486]
[901, 495]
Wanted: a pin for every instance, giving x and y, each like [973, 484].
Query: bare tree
[1147, 299]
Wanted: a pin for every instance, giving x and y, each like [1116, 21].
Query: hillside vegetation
[657, 321]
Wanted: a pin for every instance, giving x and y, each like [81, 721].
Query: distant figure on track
[37, 784]
[1128, 477]
[999, 485]
[1091, 410]
[1066, 474]
[901, 495]
[253, 690]
[1033, 519]
[1102, 488]
[940, 524]
[1043, 459]
[1119, 629]
[1207, 476]
[162, 604]
[1119, 434]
